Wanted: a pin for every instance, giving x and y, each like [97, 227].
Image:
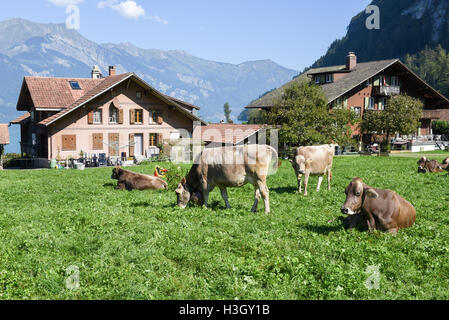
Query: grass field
[137, 245]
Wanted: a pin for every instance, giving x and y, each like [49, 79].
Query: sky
[293, 33]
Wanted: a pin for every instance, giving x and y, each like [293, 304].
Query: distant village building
[367, 86]
[226, 134]
[4, 140]
[120, 113]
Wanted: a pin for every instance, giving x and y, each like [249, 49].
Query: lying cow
[315, 161]
[228, 167]
[425, 165]
[380, 209]
[136, 181]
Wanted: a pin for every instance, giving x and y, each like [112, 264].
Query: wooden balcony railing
[386, 90]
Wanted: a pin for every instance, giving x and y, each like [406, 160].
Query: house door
[138, 144]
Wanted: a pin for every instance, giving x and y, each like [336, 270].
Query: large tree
[304, 117]
[401, 115]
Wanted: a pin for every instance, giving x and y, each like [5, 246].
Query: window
[153, 117]
[75, 85]
[32, 116]
[138, 116]
[369, 82]
[113, 114]
[139, 94]
[357, 110]
[329, 78]
[394, 81]
[382, 103]
[98, 114]
[369, 103]
[153, 139]
[317, 79]
[338, 103]
[33, 139]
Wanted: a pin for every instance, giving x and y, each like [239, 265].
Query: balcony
[386, 91]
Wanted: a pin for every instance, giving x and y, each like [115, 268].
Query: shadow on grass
[344, 226]
[109, 184]
[284, 190]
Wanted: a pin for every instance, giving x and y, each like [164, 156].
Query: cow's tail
[274, 159]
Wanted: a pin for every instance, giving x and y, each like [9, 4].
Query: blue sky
[293, 33]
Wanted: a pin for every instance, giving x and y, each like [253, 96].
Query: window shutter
[131, 145]
[120, 116]
[132, 116]
[69, 143]
[97, 141]
[90, 117]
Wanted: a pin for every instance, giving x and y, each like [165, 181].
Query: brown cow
[315, 161]
[130, 180]
[228, 167]
[425, 165]
[381, 209]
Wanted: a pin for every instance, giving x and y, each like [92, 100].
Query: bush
[440, 127]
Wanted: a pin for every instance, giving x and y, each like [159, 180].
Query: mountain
[28, 48]
[406, 27]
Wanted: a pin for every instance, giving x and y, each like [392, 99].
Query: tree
[401, 115]
[305, 119]
[227, 112]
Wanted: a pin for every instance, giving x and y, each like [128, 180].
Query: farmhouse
[4, 140]
[114, 115]
[227, 134]
[366, 86]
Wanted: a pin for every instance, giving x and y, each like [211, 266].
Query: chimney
[351, 61]
[112, 71]
[96, 73]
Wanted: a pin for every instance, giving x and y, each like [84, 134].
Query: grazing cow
[130, 180]
[380, 209]
[228, 167]
[425, 165]
[315, 161]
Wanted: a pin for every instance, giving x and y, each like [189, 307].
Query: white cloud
[65, 3]
[158, 19]
[128, 9]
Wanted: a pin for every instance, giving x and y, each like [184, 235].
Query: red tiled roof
[4, 134]
[56, 93]
[22, 118]
[102, 85]
[227, 133]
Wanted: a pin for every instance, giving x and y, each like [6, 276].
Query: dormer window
[75, 85]
[329, 78]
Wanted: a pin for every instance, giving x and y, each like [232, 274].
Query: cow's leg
[299, 183]
[205, 189]
[265, 194]
[329, 178]
[320, 181]
[256, 198]
[224, 194]
[306, 182]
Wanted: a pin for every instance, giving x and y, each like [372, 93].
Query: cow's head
[300, 164]
[356, 193]
[185, 195]
[446, 162]
[116, 173]
[422, 165]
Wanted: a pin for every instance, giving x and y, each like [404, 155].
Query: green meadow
[138, 245]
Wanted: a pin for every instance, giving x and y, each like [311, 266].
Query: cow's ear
[371, 193]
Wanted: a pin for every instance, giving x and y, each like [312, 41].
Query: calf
[380, 209]
[130, 180]
[425, 165]
[228, 167]
[315, 161]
